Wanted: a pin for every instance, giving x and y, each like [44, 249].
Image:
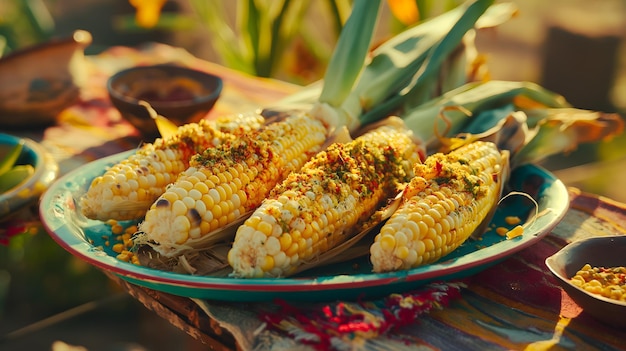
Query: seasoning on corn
[609, 282]
[450, 196]
[224, 183]
[323, 204]
[127, 189]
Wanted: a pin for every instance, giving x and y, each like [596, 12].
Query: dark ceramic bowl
[605, 251]
[180, 94]
[30, 189]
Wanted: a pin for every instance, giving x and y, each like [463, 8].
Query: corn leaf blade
[562, 130]
[423, 78]
[350, 53]
[458, 106]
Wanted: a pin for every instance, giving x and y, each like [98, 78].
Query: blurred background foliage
[24, 23]
[283, 39]
[271, 38]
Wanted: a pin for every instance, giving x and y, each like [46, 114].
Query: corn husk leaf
[524, 118]
[209, 262]
[452, 113]
[350, 53]
[562, 130]
[165, 127]
[408, 64]
[430, 47]
[509, 133]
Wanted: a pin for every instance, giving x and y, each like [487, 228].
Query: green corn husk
[561, 130]
[406, 63]
[530, 121]
[418, 86]
[409, 50]
[452, 112]
[350, 53]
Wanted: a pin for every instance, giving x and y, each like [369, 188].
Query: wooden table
[514, 305]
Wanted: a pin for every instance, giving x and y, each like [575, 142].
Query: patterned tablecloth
[514, 305]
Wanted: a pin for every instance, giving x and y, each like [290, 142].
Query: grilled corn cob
[322, 205]
[127, 189]
[447, 200]
[225, 182]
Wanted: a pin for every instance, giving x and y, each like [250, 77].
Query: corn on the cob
[127, 189]
[447, 200]
[225, 182]
[322, 205]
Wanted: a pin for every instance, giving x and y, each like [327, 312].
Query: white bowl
[603, 251]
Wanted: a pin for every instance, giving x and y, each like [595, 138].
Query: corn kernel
[515, 232]
[388, 242]
[268, 263]
[265, 228]
[502, 231]
[512, 220]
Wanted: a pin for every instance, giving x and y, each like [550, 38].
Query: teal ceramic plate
[349, 280]
[28, 191]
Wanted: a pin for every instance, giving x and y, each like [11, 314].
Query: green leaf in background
[440, 36]
[350, 52]
[24, 23]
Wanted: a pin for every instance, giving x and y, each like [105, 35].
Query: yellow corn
[127, 189]
[238, 123]
[225, 182]
[447, 200]
[322, 205]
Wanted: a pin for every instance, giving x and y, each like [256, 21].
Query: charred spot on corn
[196, 217]
[162, 203]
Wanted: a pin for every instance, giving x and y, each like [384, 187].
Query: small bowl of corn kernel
[592, 272]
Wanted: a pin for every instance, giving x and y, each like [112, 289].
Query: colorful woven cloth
[339, 325]
[342, 324]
